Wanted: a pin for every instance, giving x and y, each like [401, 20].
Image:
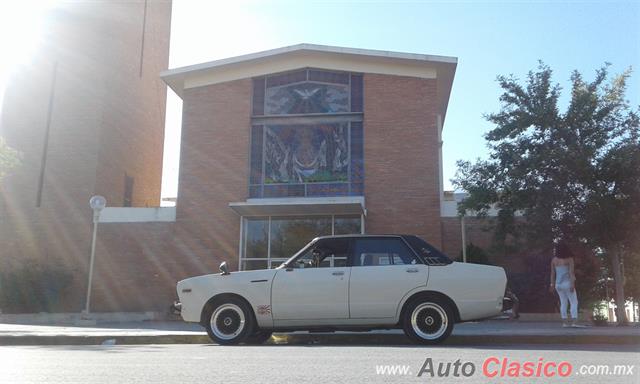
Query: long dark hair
[563, 251]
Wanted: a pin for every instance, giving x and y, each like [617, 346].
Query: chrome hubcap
[227, 321]
[429, 321]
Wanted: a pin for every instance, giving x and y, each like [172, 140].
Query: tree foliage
[572, 174]
[34, 287]
[475, 255]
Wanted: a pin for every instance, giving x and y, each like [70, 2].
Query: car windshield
[321, 253]
[305, 249]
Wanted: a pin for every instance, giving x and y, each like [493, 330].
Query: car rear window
[427, 252]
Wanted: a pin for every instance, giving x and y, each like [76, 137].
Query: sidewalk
[491, 332]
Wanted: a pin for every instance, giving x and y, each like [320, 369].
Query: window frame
[353, 119]
[269, 260]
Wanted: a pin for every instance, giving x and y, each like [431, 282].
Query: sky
[489, 38]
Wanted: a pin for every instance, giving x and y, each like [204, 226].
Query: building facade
[285, 145]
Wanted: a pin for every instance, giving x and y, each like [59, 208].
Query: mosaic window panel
[307, 97]
[357, 152]
[306, 153]
[312, 160]
[327, 189]
[255, 176]
[255, 191]
[307, 91]
[357, 189]
[307, 159]
[283, 190]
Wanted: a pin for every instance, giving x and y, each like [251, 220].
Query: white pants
[566, 297]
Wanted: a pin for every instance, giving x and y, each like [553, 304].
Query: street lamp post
[459, 198]
[464, 238]
[97, 204]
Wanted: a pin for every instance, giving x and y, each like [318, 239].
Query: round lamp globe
[97, 203]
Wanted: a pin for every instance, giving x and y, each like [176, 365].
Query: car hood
[232, 278]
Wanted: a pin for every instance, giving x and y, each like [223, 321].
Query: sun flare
[21, 30]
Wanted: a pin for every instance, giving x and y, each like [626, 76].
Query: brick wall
[132, 132]
[214, 166]
[401, 156]
[106, 120]
[136, 268]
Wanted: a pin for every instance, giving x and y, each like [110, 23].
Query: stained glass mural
[297, 156]
[306, 153]
[307, 97]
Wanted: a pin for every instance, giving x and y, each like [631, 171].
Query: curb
[72, 318]
[100, 340]
[324, 339]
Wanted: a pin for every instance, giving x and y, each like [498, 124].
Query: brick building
[277, 147]
[282, 146]
[87, 116]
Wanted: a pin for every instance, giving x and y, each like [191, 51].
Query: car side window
[381, 252]
[325, 253]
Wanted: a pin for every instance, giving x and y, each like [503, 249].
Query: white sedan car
[353, 282]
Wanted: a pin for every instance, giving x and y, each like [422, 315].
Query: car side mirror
[224, 270]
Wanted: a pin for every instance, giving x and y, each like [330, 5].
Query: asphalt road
[300, 364]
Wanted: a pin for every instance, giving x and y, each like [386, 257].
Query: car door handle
[338, 273]
[412, 270]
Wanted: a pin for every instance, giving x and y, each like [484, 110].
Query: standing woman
[563, 279]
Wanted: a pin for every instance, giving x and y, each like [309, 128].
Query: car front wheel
[229, 321]
[428, 321]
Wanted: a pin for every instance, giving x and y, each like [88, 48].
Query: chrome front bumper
[176, 308]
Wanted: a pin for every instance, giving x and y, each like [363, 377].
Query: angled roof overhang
[441, 68]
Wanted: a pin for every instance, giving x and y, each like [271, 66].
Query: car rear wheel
[229, 321]
[428, 320]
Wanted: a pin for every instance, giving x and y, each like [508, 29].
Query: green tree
[612, 216]
[9, 158]
[572, 174]
[475, 255]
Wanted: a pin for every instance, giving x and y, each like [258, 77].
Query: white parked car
[353, 282]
